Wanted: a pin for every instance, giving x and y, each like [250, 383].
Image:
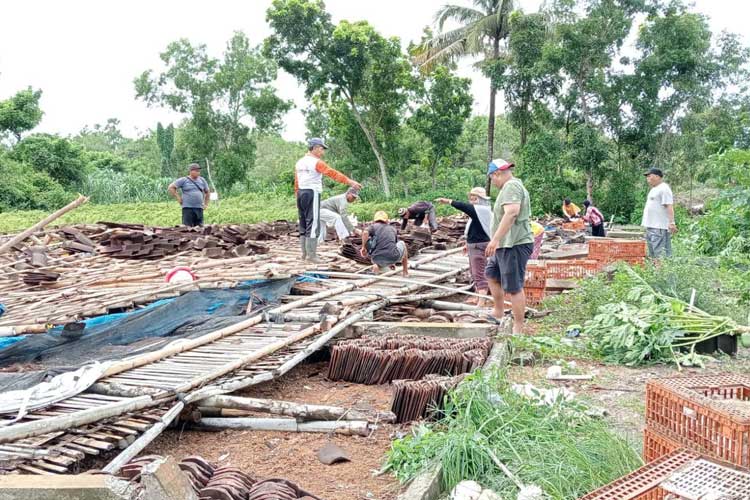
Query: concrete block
[163, 480]
[73, 487]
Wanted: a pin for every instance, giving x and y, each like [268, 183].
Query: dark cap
[654, 171]
[316, 141]
[193, 166]
[567, 201]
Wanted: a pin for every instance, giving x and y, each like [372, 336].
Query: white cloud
[84, 54]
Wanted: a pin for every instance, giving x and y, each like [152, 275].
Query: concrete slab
[73, 487]
[445, 330]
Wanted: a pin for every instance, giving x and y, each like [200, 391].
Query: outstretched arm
[334, 174]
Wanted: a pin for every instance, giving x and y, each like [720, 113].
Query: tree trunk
[491, 118]
[374, 146]
[589, 186]
[434, 173]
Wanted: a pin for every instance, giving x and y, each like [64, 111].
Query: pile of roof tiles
[211, 482]
[408, 313]
[450, 231]
[413, 399]
[381, 359]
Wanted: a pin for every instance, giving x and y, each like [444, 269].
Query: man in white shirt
[334, 213]
[658, 216]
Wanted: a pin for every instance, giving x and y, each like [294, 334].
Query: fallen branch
[39, 225]
[347, 427]
[291, 409]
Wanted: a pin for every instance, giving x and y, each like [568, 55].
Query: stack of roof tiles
[413, 399]
[381, 359]
[224, 483]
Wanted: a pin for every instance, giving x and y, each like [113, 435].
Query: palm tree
[482, 29]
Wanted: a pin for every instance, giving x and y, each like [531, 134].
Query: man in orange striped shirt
[308, 185]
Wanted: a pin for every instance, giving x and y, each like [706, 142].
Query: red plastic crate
[656, 445]
[536, 274]
[643, 484]
[681, 475]
[533, 295]
[572, 269]
[709, 414]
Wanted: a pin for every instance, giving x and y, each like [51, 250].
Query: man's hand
[444, 201]
[205, 206]
[355, 185]
[363, 252]
[179, 200]
[491, 247]
[405, 272]
[465, 249]
[672, 227]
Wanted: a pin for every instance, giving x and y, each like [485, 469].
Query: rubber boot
[303, 244]
[312, 250]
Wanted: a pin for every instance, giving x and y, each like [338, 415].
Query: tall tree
[349, 62]
[523, 72]
[21, 112]
[165, 141]
[226, 100]
[483, 28]
[447, 106]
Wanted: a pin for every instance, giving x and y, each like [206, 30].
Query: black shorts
[308, 208]
[508, 266]
[192, 216]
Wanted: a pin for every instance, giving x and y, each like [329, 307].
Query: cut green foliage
[651, 327]
[546, 440]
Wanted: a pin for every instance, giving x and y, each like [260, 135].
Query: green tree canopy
[21, 112]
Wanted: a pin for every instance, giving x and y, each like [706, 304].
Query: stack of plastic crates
[709, 414]
[608, 250]
[535, 283]
[681, 475]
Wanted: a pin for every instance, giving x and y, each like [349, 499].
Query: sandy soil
[293, 455]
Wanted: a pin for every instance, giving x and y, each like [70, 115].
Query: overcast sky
[84, 54]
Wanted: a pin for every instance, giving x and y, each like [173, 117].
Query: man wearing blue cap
[308, 185]
[511, 244]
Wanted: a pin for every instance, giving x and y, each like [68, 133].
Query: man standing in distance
[195, 195]
[308, 184]
[658, 215]
[512, 242]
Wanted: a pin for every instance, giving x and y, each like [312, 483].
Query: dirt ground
[293, 455]
[620, 390]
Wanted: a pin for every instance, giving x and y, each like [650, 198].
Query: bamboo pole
[144, 440]
[39, 225]
[291, 409]
[347, 427]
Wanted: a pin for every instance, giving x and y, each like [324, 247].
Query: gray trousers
[659, 242]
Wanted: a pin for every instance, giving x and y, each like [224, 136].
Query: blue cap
[498, 164]
[316, 141]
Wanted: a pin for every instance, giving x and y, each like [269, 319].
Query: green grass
[248, 208]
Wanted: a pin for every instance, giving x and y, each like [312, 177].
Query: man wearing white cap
[511, 242]
[308, 184]
[477, 234]
[333, 213]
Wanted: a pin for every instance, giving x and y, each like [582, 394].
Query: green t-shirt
[520, 232]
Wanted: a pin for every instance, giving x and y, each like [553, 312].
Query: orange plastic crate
[533, 295]
[643, 484]
[656, 445]
[536, 274]
[709, 414]
[681, 475]
[576, 225]
[615, 249]
[572, 269]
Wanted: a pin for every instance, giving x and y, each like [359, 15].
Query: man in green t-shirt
[512, 242]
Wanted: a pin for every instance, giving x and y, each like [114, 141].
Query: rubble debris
[381, 359]
[331, 454]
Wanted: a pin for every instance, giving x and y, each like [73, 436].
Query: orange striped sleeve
[334, 174]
